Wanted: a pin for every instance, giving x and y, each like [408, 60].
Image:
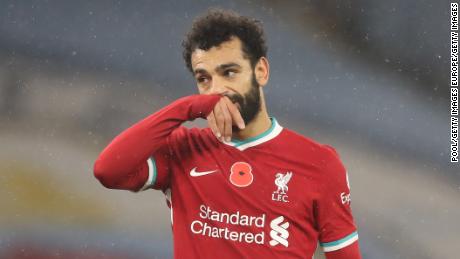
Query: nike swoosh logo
[194, 173]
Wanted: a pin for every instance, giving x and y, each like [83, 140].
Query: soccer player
[245, 187]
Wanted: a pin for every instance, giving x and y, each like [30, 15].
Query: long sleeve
[349, 252]
[123, 163]
[336, 226]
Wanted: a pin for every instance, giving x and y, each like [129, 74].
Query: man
[245, 187]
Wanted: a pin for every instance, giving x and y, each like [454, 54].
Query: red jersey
[271, 196]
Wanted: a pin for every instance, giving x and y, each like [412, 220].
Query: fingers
[220, 120]
[212, 124]
[224, 115]
[234, 113]
[227, 122]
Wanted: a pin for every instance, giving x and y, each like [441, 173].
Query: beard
[249, 103]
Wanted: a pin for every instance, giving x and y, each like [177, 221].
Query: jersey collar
[269, 134]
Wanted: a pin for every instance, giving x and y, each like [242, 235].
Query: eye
[201, 79]
[229, 73]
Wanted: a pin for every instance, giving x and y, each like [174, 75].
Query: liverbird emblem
[281, 181]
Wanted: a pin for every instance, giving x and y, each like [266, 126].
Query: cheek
[242, 83]
[246, 77]
[201, 90]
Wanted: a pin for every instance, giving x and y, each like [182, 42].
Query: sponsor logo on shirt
[195, 173]
[279, 233]
[281, 182]
[345, 197]
[239, 227]
[206, 226]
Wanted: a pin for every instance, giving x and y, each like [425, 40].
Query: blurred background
[369, 77]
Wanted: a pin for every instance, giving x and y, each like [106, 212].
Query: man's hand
[224, 115]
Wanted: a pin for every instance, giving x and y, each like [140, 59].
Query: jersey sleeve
[348, 252]
[139, 158]
[160, 163]
[334, 216]
[159, 169]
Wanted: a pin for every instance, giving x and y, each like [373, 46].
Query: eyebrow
[218, 68]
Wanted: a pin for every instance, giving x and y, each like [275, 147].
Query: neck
[257, 126]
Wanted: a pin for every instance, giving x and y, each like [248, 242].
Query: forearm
[126, 155]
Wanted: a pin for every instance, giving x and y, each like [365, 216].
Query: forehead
[228, 51]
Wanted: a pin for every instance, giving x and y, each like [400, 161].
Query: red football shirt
[271, 196]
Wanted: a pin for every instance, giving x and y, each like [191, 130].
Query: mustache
[236, 98]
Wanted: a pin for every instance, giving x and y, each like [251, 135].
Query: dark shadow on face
[249, 104]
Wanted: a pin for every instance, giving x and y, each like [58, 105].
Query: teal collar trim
[269, 134]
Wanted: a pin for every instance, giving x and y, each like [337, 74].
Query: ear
[262, 71]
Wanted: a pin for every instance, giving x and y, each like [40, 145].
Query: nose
[217, 86]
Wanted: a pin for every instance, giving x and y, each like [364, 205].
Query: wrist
[201, 105]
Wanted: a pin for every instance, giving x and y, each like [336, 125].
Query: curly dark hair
[217, 26]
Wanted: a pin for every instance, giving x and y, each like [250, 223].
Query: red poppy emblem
[241, 174]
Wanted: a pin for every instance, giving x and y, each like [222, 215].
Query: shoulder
[334, 171]
[306, 143]
[294, 136]
[324, 155]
